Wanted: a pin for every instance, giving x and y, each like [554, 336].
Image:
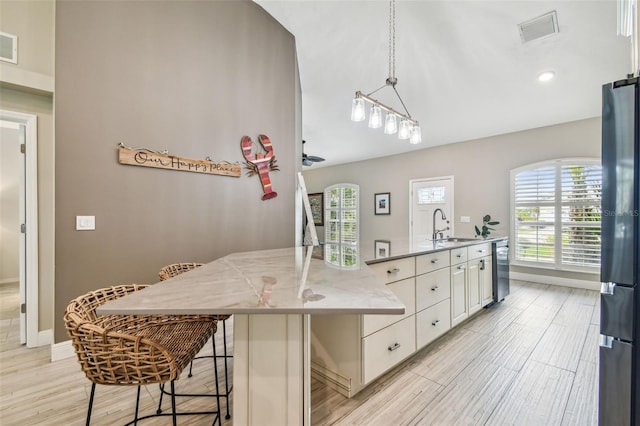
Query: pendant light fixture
[409, 128]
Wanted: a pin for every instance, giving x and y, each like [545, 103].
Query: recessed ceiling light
[546, 76]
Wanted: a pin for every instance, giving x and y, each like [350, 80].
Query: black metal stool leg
[226, 370]
[135, 417]
[173, 404]
[159, 410]
[93, 391]
[215, 371]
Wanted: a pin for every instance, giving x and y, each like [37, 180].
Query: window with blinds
[341, 224]
[556, 207]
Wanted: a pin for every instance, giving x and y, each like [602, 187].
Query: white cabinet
[439, 290]
[486, 280]
[459, 309]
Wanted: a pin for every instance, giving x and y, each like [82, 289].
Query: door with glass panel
[427, 196]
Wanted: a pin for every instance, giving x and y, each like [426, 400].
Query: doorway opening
[19, 216]
[427, 196]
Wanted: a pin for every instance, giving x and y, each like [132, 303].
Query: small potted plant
[486, 230]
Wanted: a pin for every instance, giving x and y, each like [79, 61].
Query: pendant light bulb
[405, 129]
[357, 109]
[375, 117]
[416, 135]
[391, 124]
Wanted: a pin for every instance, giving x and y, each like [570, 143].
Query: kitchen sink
[459, 239]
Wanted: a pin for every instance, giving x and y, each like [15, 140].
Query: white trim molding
[62, 350]
[549, 279]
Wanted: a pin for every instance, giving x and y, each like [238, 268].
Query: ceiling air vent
[539, 27]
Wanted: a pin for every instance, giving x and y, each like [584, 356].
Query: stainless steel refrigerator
[619, 399]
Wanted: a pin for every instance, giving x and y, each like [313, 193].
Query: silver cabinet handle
[461, 268]
[482, 265]
[434, 261]
[435, 323]
[435, 288]
[481, 251]
[459, 255]
[393, 271]
[394, 347]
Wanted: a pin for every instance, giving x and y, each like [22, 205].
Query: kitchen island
[442, 283]
[271, 294]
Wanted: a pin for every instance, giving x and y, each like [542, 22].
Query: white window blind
[341, 225]
[556, 206]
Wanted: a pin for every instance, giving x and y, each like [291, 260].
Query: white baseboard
[548, 279]
[62, 350]
[45, 337]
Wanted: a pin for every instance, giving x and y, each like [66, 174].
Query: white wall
[480, 169]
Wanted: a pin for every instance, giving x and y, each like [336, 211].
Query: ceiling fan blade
[314, 158]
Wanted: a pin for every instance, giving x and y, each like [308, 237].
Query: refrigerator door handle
[607, 288]
[606, 341]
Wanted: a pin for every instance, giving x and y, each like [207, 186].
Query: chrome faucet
[438, 231]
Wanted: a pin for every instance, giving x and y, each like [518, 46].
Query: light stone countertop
[281, 281]
[404, 247]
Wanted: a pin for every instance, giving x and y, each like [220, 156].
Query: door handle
[607, 288]
[393, 271]
[606, 341]
[482, 265]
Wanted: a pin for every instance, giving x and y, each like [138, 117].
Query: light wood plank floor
[531, 360]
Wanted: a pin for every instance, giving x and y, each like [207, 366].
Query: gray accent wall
[188, 77]
[481, 170]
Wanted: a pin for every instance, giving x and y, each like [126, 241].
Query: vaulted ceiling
[463, 71]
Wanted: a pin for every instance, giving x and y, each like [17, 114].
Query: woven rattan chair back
[172, 270]
[131, 349]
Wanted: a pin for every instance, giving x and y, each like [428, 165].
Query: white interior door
[26, 135]
[428, 195]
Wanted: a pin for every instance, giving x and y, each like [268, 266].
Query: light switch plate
[465, 219]
[85, 223]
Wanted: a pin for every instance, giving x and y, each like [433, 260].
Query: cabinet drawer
[432, 261]
[405, 290]
[387, 347]
[432, 288]
[458, 255]
[479, 250]
[433, 323]
[395, 270]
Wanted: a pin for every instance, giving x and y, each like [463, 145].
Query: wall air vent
[542, 26]
[8, 48]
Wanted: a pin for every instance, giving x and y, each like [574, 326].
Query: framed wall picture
[317, 208]
[382, 249]
[382, 203]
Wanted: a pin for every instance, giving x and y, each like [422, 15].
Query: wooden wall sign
[148, 158]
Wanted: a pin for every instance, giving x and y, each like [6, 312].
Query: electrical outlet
[465, 219]
[85, 223]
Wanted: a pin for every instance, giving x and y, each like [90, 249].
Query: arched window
[341, 224]
[556, 214]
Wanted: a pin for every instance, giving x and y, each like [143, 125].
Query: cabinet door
[459, 310]
[486, 278]
[474, 273]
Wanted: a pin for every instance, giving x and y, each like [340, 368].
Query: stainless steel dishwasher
[500, 253]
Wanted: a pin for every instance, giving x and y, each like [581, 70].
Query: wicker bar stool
[175, 269]
[134, 350]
